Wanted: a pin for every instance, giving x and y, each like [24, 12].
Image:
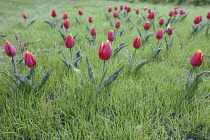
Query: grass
[149, 104]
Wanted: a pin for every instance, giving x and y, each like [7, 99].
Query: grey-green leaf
[22, 79]
[90, 72]
[44, 79]
[120, 46]
[66, 63]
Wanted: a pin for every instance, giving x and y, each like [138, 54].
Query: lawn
[146, 93]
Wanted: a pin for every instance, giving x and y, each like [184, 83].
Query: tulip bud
[30, 60]
[24, 16]
[208, 15]
[197, 20]
[176, 12]
[111, 36]
[147, 25]
[197, 59]
[182, 12]
[149, 10]
[65, 16]
[176, 8]
[151, 15]
[80, 12]
[53, 14]
[105, 51]
[121, 7]
[16, 36]
[128, 9]
[93, 32]
[125, 8]
[145, 8]
[171, 13]
[10, 49]
[110, 9]
[22, 47]
[117, 24]
[161, 21]
[159, 34]
[137, 43]
[115, 14]
[169, 31]
[137, 11]
[90, 19]
[115, 8]
[69, 41]
[66, 24]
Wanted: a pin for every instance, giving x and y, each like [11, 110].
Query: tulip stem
[13, 65]
[104, 66]
[191, 73]
[158, 43]
[71, 55]
[32, 76]
[134, 56]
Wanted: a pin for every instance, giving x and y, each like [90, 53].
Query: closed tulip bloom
[24, 16]
[69, 41]
[110, 9]
[176, 12]
[147, 25]
[93, 31]
[80, 12]
[149, 10]
[66, 24]
[128, 9]
[200, 18]
[159, 34]
[137, 43]
[105, 51]
[125, 7]
[117, 24]
[171, 13]
[53, 14]
[181, 12]
[111, 36]
[10, 49]
[208, 15]
[30, 60]
[145, 8]
[197, 20]
[197, 59]
[169, 31]
[137, 11]
[176, 8]
[151, 15]
[65, 16]
[121, 7]
[90, 19]
[115, 8]
[115, 14]
[161, 21]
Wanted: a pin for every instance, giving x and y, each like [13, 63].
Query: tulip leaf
[22, 79]
[66, 63]
[28, 43]
[140, 34]
[78, 53]
[112, 78]
[182, 17]
[121, 33]
[19, 22]
[120, 46]
[2, 36]
[130, 58]
[138, 66]
[207, 30]
[29, 75]
[45, 78]
[77, 20]
[147, 37]
[62, 35]
[77, 61]
[48, 22]
[9, 76]
[90, 72]
[75, 36]
[155, 53]
[31, 22]
[111, 24]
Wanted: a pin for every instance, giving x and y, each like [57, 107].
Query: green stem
[32, 76]
[71, 55]
[158, 42]
[104, 66]
[134, 56]
[191, 73]
[13, 65]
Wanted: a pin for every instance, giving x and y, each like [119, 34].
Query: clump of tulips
[25, 24]
[93, 34]
[54, 21]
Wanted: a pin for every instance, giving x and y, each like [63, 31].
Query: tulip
[90, 19]
[125, 8]
[30, 60]
[137, 43]
[105, 51]
[80, 12]
[147, 25]
[145, 8]
[208, 15]
[66, 24]
[197, 20]
[181, 12]
[111, 36]
[10, 49]
[69, 41]
[197, 59]
[171, 13]
[128, 9]
[115, 8]
[169, 31]
[65, 16]
[159, 34]
[149, 10]
[137, 11]
[53, 14]
[121, 7]
[93, 31]
[117, 24]
[161, 21]
[151, 15]
[110, 9]
[176, 8]
[24, 16]
[176, 12]
[115, 14]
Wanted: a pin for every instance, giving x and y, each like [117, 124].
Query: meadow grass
[149, 104]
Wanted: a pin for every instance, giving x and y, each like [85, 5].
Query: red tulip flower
[110, 9]
[176, 8]
[93, 31]
[181, 12]
[90, 19]
[197, 59]
[197, 19]
[149, 10]
[137, 11]
[115, 14]
[80, 12]
[30, 60]
[159, 34]
[53, 14]
[111, 36]
[169, 31]
[115, 8]
[105, 51]
[65, 16]
[117, 24]
[10, 49]
[66, 24]
[125, 8]
[171, 13]
[147, 25]
[121, 7]
[176, 12]
[151, 15]
[137, 43]
[128, 9]
[208, 15]
[24, 16]
[161, 21]
[69, 41]
[145, 8]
